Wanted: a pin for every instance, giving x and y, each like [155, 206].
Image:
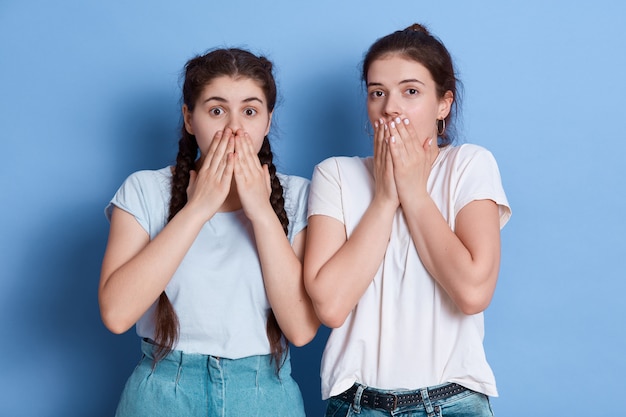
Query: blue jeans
[192, 385]
[466, 404]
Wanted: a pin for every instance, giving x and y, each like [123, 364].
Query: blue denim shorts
[467, 403]
[192, 385]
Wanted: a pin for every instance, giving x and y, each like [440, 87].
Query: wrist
[385, 206]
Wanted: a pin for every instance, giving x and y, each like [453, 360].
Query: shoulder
[467, 150]
[466, 154]
[146, 185]
[343, 167]
[142, 192]
[343, 161]
[149, 178]
[151, 175]
[295, 191]
[292, 181]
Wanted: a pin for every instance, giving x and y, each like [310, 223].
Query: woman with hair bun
[403, 248]
[205, 257]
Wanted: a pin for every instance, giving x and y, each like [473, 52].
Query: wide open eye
[250, 112]
[216, 111]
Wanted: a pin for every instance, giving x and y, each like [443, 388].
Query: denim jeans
[200, 385]
[465, 404]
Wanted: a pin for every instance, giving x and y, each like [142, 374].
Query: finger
[253, 164]
[379, 129]
[430, 148]
[241, 156]
[192, 178]
[407, 132]
[224, 171]
[397, 145]
[400, 130]
[248, 161]
[215, 155]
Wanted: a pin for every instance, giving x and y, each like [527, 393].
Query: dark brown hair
[198, 73]
[416, 43]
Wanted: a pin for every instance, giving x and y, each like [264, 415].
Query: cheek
[374, 111]
[204, 136]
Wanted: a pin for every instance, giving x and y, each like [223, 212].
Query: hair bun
[267, 64]
[416, 27]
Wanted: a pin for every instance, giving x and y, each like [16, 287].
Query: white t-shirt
[217, 291]
[405, 333]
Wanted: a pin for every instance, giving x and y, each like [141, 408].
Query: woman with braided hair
[403, 248]
[205, 257]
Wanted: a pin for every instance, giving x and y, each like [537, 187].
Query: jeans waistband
[372, 398]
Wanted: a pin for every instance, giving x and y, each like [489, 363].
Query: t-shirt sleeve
[296, 195]
[135, 196]
[479, 179]
[325, 195]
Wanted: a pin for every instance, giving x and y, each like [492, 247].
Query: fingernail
[430, 142]
[398, 120]
[393, 139]
[376, 125]
[406, 121]
[393, 125]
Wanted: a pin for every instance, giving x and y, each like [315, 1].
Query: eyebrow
[223, 100]
[407, 81]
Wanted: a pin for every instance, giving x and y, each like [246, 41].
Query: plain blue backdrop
[89, 92]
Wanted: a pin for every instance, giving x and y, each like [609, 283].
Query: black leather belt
[376, 399]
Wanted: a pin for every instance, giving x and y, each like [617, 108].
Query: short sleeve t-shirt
[217, 291]
[405, 333]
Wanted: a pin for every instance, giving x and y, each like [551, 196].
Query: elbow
[331, 317]
[469, 308]
[328, 311]
[303, 335]
[114, 322]
[303, 338]
[476, 295]
[474, 302]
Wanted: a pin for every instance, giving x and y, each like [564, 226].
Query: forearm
[282, 275]
[337, 279]
[464, 263]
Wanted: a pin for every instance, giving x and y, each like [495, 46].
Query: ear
[445, 104]
[269, 123]
[187, 119]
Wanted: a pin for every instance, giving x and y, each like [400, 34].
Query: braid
[274, 334]
[166, 328]
[276, 198]
[185, 162]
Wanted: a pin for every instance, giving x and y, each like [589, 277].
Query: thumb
[192, 180]
[268, 180]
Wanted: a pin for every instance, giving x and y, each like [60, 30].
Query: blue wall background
[89, 92]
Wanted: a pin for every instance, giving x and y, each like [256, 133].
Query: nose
[234, 122]
[391, 108]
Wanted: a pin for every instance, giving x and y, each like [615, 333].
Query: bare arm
[280, 262]
[338, 270]
[136, 270]
[465, 262]
[282, 274]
